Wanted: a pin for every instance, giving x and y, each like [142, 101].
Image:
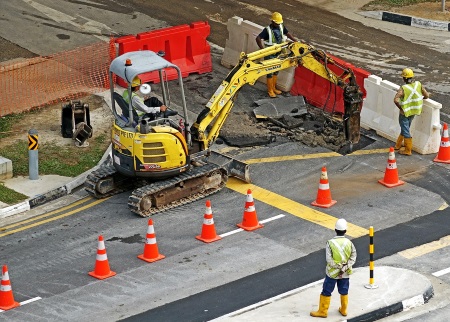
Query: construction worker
[409, 100]
[275, 33]
[340, 257]
[141, 102]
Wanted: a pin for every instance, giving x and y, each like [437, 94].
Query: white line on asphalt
[27, 301]
[261, 222]
[441, 272]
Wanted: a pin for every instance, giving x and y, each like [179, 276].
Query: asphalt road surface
[49, 256]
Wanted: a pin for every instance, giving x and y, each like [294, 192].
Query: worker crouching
[340, 257]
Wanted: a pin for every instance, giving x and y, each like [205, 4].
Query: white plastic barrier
[379, 113]
[242, 38]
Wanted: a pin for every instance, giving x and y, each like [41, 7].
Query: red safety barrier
[320, 92]
[184, 46]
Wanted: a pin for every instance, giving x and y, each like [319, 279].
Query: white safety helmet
[145, 89]
[341, 224]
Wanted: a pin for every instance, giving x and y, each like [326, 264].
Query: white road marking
[261, 222]
[441, 272]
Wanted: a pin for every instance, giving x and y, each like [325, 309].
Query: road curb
[406, 20]
[398, 307]
[41, 199]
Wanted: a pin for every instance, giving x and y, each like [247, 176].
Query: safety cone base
[326, 205]
[241, 225]
[391, 185]
[208, 240]
[441, 161]
[9, 307]
[102, 277]
[151, 260]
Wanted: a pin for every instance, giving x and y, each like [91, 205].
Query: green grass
[68, 161]
[10, 196]
[6, 123]
[394, 3]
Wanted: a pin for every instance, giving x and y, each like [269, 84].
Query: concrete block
[6, 168]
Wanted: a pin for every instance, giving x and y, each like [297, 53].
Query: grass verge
[9, 196]
[392, 3]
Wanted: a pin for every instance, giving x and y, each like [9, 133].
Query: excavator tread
[138, 194]
[94, 178]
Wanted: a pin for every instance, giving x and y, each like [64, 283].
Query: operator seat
[124, 107]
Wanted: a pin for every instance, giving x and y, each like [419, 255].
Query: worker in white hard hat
[275, 33]
[340, 257]
[409, 100]
[143, 104]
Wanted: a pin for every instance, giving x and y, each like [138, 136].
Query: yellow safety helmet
[277, 18]
[407, 73]
[136, 82]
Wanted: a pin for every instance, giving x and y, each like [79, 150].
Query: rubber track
[139, 193]
[95, 176]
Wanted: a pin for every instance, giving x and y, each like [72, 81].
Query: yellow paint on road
[77, 210]
[292, 207]
[425, 248]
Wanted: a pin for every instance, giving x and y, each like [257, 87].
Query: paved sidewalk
[398, 290]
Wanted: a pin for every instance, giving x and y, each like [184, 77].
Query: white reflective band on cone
[251, 208]
[392, 165]
[101, 245]
[151, 241]
[445, 133]
[208, 211]
[249, 198]
[324, 176]
[5, 276]
[391, 156]
[324, 186]
[445, 144]
[208, 221]
[5, 288]
[102, 257]
[150, 230]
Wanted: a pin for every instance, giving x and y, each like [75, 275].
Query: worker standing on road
[340, 256]
[275, 33]
[149, 106]
[409, 100]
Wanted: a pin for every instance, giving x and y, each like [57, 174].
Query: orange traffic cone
[101, 270]
[391, 174]
[323, 199]
[444, 149]
[6, 295]
[151, 253]
[208, 230]
[250, 219]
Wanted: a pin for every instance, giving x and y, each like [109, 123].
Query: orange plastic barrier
[36, 82]
[320, 92]
[184, 46]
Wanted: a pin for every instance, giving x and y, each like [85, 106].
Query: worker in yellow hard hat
[140, 100]
[409, 100]
[275, 33]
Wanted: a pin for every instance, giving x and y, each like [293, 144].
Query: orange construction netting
[36, 82]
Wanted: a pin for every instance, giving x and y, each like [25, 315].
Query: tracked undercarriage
[158, 196]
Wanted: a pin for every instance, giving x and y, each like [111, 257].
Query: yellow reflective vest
[341, 250]
[272, 39]
[412, 100]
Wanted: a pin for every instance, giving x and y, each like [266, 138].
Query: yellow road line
[292, 207]
[54, 218]
[425, 248]
[312, 156]
[46, 214]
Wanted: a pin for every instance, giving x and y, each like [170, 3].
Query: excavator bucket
[234, 167]
[352, 114]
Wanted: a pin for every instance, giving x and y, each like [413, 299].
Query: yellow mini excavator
[168, 165]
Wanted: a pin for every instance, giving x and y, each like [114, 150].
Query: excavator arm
[253, 65]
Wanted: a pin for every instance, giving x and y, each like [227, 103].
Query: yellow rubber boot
[408, 147]
[399, 143]
[324, 304]
[344, 305]
[270, 87]
[275, 90]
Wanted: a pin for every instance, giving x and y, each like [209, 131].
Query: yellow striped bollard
[371, 284]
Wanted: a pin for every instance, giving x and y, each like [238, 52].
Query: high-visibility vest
[412, 100]
[341, 249]
[126, 97]
[272, 38]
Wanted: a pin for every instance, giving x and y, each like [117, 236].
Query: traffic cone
[208, 230]
[6, 295]
[444, 149]
[151, 253]
[323, 199]
[250, 219]
[391, 174]
[101, 270]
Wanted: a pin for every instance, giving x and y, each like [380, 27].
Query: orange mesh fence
[36, 82]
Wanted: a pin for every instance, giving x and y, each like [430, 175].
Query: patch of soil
[425, 10]
[47, 122]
